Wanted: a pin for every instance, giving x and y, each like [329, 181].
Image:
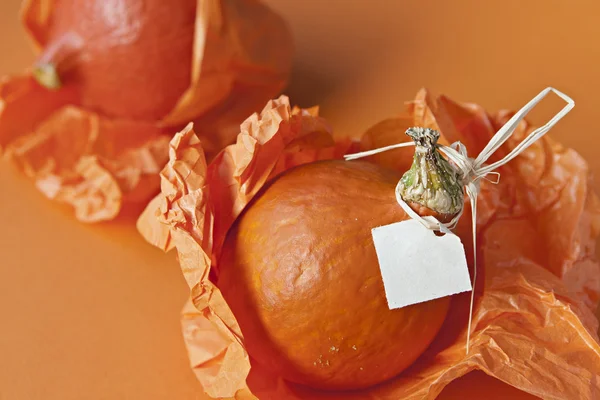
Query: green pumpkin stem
[431, 181]
[47, 76]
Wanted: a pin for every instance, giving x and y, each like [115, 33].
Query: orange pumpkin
[129, 58]
[300, 273]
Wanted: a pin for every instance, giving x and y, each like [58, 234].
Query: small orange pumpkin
[128, 58]
[155, 60]
[300, 273]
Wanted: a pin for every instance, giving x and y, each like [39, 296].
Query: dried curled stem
[431, 182]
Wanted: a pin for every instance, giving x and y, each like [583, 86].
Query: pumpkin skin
[129, 58]
[300, 273]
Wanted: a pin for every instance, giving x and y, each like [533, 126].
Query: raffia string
[472, 170]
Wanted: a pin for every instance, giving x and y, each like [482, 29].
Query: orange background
[93, 312]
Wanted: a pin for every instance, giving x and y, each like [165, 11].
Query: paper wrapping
[101, 165]
[533, 323]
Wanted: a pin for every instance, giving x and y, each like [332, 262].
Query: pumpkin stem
[431, 181]
[47, 76]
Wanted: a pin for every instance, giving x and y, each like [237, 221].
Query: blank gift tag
[417, 266]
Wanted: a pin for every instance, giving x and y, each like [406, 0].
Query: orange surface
[93, 312]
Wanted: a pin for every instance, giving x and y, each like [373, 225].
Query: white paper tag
[417, 266]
